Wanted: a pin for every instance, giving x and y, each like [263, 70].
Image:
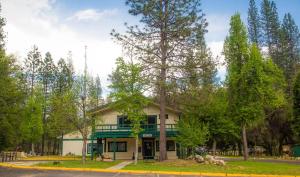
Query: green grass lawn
[78, 164]
[249, 167]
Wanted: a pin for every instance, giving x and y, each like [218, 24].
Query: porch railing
[127, 127]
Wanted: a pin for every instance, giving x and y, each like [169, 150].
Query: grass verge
[240, 167]
[78, 164]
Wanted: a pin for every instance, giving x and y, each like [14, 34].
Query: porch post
[115, 146]
[92, 137]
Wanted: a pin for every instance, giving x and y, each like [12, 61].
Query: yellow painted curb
[142, 172]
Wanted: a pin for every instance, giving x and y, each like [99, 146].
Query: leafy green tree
[169, 31]
[221, 125]
[192, 132]
[237, 55]
[254, 27]
[296, 106]
[32, 124]
[128, 86]
[12, 97]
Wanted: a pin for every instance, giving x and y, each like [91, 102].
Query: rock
[220, 162]
[98, 159]
[107, 160]
[190, 157]
[199, 159]
[206, 162]
[105, 156]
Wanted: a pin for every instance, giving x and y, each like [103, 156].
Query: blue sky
[59, 26]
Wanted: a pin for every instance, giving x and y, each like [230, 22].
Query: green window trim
[118, 146]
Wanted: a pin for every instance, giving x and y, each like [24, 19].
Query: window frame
[110, 145]
[168, 145]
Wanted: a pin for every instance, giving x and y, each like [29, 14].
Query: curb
[142, 172]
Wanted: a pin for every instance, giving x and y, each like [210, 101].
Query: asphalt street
[14, 172]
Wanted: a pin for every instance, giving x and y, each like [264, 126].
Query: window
[89, 148]
[120, 146]
[123, 122]
[167, 116]
[170, 145]
[157, 146]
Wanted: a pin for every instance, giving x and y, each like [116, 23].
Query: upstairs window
[123, 122]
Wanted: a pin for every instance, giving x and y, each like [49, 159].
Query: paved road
[12, 172]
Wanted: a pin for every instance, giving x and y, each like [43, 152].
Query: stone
[220, 162]
[199, 159]
[107, 160]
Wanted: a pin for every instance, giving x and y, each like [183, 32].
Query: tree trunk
[84, 150]
[245, 145]
[162, 81]
[214, 147]
[136, 150]
[32, 149]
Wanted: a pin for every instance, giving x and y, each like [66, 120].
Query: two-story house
[112, 135]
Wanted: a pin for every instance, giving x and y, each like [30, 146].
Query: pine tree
[2, 33]
[169, 32]
[290, 47]
[32, 66]
[47, 77]
[254, 27]
[271, 30]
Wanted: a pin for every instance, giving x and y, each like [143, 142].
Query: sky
[60, 26]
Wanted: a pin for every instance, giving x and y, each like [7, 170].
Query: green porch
[102, 132]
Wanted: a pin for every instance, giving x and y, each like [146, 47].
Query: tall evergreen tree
[290, 47]
[47, 77]
[32, 65]
[254, 27]
[169, 29]
[271, 30]
[2, 33]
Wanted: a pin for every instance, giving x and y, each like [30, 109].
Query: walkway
[120, 165]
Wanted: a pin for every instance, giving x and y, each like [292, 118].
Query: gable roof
[108, 107]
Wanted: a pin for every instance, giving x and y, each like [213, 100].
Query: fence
[8, 156]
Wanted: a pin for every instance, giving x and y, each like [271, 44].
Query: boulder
[220, 162]
[199, 159]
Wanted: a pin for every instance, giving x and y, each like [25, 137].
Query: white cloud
[35, 22]
[92, 14]
[216, 48]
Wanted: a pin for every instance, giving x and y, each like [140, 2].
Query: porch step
[120, 165]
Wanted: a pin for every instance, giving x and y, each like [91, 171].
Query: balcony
[124, 131]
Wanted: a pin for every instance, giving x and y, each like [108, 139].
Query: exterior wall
[73, 146]
[110, 116]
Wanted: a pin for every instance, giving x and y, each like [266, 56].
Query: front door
[148, 148]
